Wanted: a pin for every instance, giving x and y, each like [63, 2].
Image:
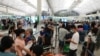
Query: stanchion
[56, 35]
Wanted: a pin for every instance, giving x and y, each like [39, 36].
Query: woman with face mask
[19, 42]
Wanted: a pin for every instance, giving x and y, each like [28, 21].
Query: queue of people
[21, 42]
[76, 35]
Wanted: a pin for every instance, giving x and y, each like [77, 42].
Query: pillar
[39, 11]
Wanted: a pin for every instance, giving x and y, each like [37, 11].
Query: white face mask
[71, 30]
[22, 35]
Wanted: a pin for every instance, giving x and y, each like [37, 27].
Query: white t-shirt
[75, 38]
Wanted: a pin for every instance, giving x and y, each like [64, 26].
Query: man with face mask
[74, 42]
[19, 42]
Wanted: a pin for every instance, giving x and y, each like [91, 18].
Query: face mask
[72, 31]
[22, 35]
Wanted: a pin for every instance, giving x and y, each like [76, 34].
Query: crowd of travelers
[73, 34]
[22, 42]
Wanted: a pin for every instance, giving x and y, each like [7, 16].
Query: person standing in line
[7, 43]
[29, 36]
[74, 42]
[19, 42]
[90, 45]
[36, 24]
[98, 39]
[62, 33]
[19, 28]
[11, 32]
[86, 28]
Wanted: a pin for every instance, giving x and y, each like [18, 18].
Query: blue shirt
[85, 27]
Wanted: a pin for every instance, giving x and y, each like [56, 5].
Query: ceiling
[29, 7]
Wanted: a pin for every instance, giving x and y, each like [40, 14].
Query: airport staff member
[74, 42]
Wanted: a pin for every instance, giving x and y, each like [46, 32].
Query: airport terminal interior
[49, 27]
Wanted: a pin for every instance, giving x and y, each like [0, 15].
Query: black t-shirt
[95, 30]
[68, 36]
[48, 36]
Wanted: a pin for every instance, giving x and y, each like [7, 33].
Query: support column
[39, 11]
